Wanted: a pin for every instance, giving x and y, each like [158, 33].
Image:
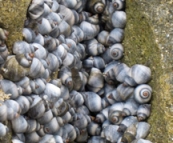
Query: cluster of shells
[64, 82]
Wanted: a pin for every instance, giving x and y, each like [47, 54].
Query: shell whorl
[99, 7]
[143, 93]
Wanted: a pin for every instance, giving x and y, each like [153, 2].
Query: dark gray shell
[32, 137]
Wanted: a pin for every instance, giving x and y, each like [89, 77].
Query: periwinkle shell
[36, 9]
[95, 81]
[90, 30]
[46, 117]
[44, 26]
[143, 93]
[12, 70]
[143, 112]
[138, 74]
[3, 130]
[92, 101]
[36, 69]
[110, 133]
[51, 127]
[10, 88]
[37, 108]
[130, 107]
[53, 92]
[143, 129]
[19, 124]
[96, 6]
[32, 137]
[119, 19]
[94, 129]
[23, 103]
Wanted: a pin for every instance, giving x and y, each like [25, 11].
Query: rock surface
[148, 34]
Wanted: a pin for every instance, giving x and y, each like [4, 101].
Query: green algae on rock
[142, 47]
[13, 15]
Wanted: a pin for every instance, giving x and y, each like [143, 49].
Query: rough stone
[148, 40]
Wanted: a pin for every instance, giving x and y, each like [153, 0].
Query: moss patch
[13, 15]
[140, 48]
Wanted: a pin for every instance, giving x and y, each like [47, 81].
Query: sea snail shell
[138, 74]
[3, 130]
[143, 93]
[143, 112]
[96, 6]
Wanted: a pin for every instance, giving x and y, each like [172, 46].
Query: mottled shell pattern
[65, 81]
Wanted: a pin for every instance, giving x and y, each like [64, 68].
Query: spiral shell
[96, 6]
[143, 112]
[37, 108]
[138, 74]
[110, 133]
[127, 121]
[44, 27]
[12, 70]
[115, 113]
[36, 9]
[94, 129]
[143, 93]
[94, 48]
[130, 107]
[90, 30]
[95, 81]
[60, 108]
